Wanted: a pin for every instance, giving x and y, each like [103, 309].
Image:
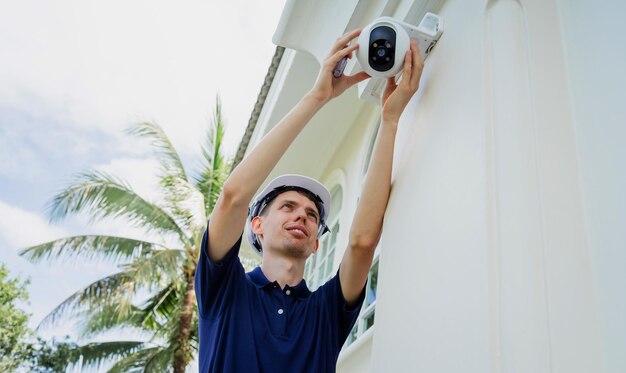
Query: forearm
[248, 176]
[229, 215]
[368, 219]
[228, 218]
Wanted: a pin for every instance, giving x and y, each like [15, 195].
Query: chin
[298, 251]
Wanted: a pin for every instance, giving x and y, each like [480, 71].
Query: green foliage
[13, 321]
[49, 357]
[163, 268]
[17, 351]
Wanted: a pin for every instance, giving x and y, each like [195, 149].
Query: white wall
[433, 307]
[486, 263]
[596, 61]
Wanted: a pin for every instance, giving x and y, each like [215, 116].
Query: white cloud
[33, 149]
[107, 64]
[21, 228]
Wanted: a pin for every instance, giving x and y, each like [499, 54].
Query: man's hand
[327, 86]
[397, 96]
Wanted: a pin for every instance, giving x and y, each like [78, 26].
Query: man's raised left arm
[367, 225]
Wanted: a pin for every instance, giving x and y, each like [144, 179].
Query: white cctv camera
[384, 42]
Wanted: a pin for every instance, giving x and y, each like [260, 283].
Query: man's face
[289, 225]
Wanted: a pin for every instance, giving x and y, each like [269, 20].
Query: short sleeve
[342, 316]
[215, 282]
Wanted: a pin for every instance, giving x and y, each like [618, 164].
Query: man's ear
[256, 225]
[317, 246]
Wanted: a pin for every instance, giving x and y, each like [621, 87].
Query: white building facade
[504, 245]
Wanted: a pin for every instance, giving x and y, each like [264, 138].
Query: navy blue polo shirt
[247, 323]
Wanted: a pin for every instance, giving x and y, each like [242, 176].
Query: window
[319, 268]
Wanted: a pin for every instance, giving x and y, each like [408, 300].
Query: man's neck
[285, 271]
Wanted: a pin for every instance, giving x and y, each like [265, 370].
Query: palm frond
[135, 362]
[158, 308]
[94, 296]
[180, 195]
[119, 289]
[171, 163]
[97, 353]
[109, 317]
[89, 247]
[100, 195]
[150, 316]
[160, 314]
[160, 267]
[161, 361]
[183, 202]
[171, 328]
[214, 167]
[168, 314]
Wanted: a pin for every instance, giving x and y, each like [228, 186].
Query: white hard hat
[282, 184]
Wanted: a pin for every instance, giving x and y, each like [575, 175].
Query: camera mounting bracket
[426, 34]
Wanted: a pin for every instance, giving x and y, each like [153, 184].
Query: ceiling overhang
[308, 28]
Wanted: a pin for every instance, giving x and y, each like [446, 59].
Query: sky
[75, 74]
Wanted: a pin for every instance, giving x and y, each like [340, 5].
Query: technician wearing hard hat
[267, 320]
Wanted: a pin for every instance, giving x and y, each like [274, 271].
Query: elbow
[364, 243]
[232, 196]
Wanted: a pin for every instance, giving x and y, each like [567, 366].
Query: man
[268, 320]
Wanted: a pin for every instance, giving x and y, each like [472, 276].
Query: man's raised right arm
[228, 218]
[229, 215]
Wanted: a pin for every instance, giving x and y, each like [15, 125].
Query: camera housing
[384, 42]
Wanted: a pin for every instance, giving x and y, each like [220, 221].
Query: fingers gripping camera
[384, 42]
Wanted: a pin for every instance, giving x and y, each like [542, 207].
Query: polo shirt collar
[260, 281]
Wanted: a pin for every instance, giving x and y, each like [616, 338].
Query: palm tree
[164, 268]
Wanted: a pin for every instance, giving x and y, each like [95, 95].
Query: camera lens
[382, 48]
